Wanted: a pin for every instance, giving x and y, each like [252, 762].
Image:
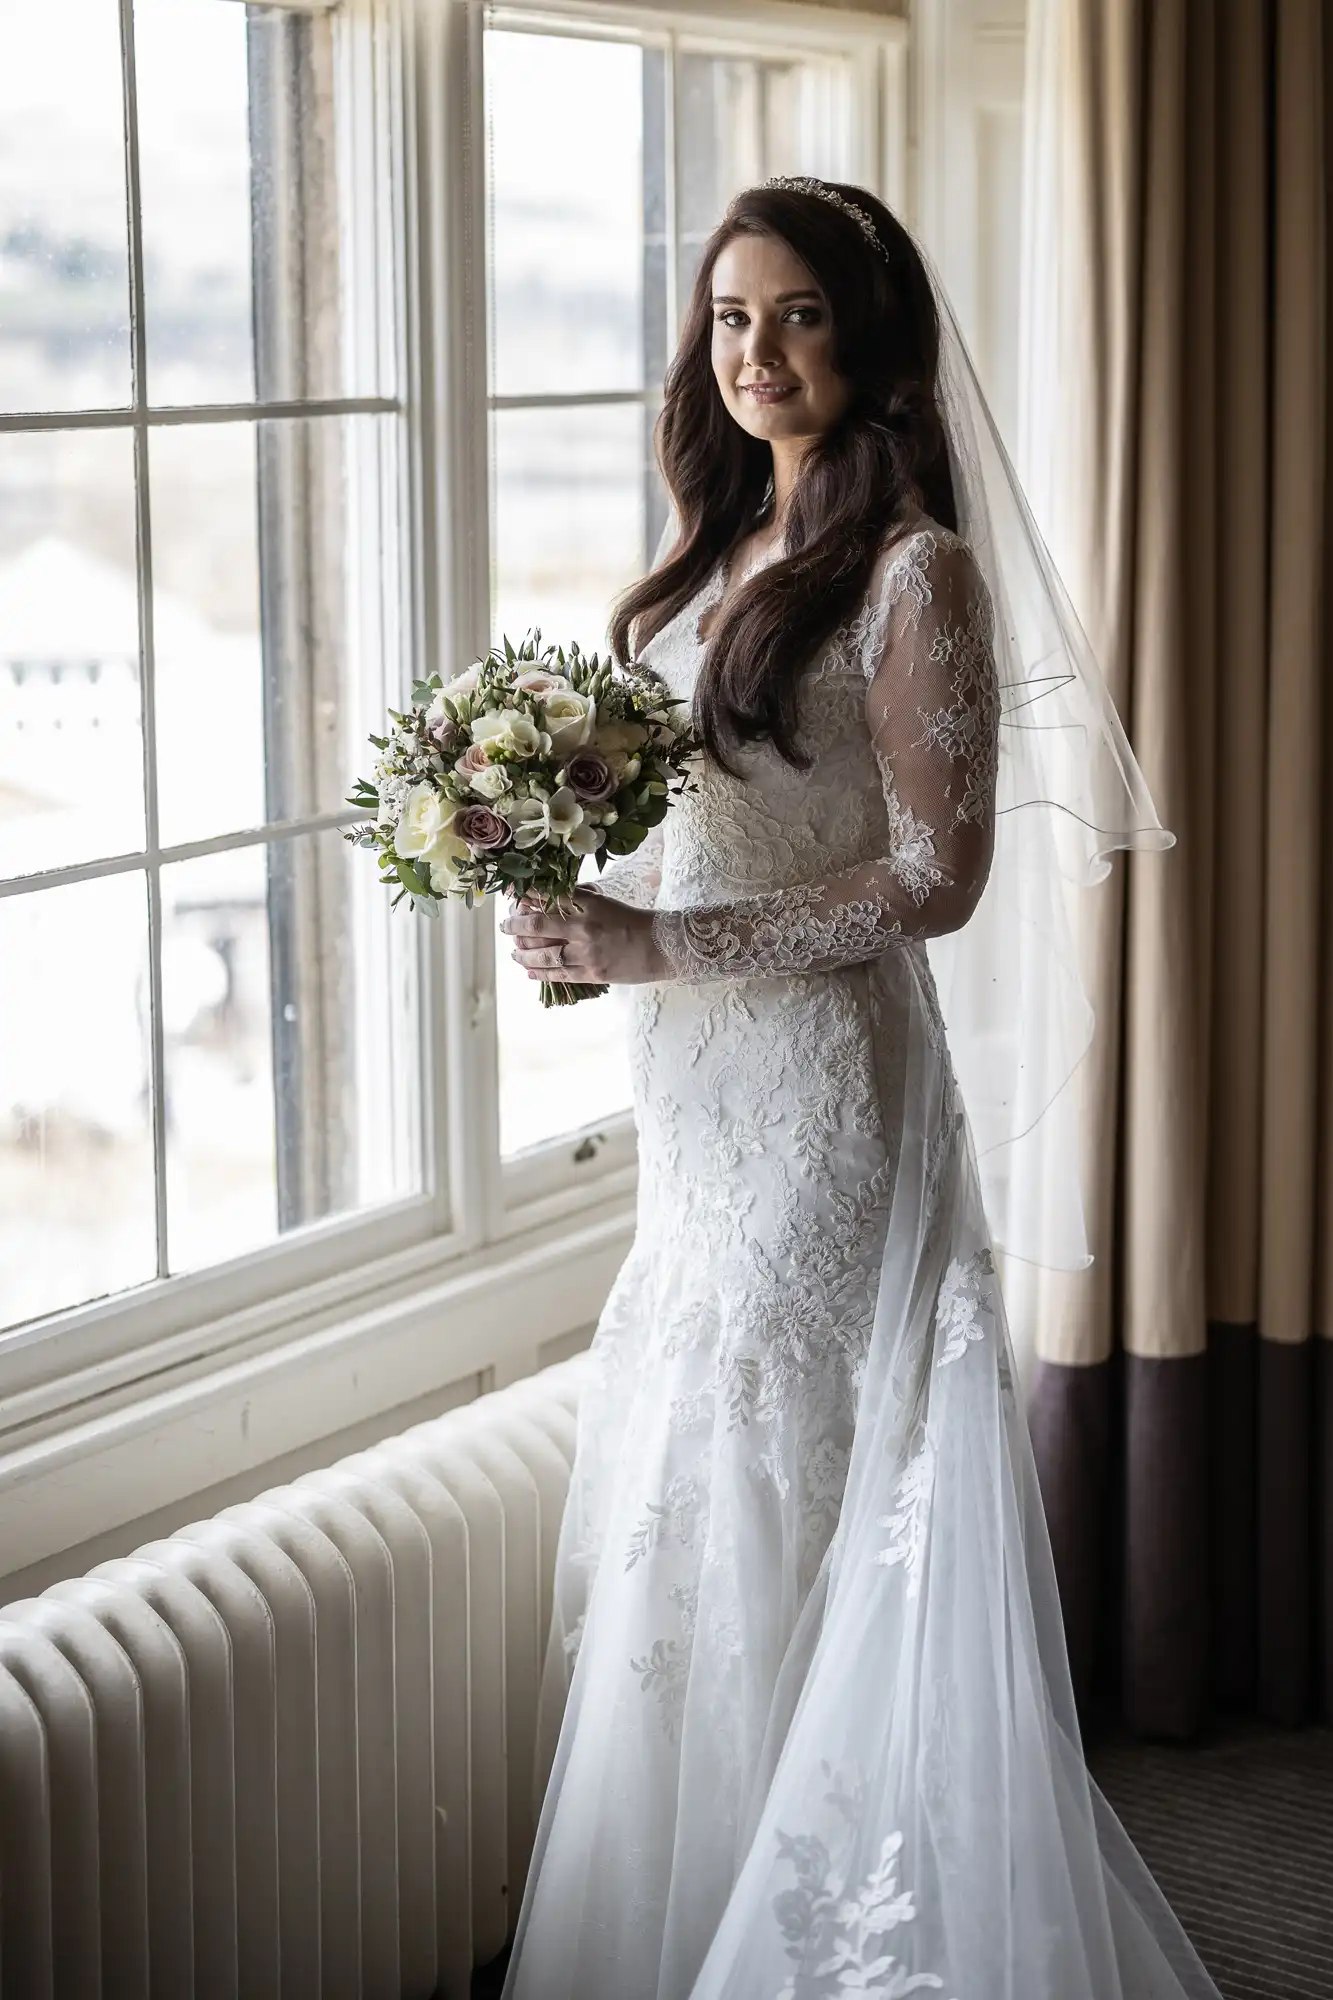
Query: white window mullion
[196, 413]
[143, 528]
[445, 240]
[672, 191]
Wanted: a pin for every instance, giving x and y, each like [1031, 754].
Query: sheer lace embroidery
[676, 1517]
[923, 646]
[964, 730]
[963, 1312]
[664, 1670]
[908, 1522]
[840, 1931]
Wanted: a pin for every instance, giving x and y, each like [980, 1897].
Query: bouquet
[510, 774]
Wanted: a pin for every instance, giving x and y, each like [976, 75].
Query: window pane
[291, 1035]
[248, 232]
[560, 1067]
[740, 119]
[276, 590]
[565, 135]
[76, 1153]
[64, 260]
[71, 751]
[570, 494]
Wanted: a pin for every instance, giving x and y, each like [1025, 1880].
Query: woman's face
[773, 342]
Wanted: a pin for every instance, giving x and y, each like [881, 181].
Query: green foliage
[548, 872]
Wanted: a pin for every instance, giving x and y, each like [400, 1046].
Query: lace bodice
[887, 837]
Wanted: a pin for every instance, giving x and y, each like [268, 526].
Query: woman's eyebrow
[782, 299]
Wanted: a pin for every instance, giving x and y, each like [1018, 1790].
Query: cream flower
[570, 717]
[565, 819]
[538, 680]
[464, 683]
[446, 858]
[507, 733]
[424, 820]
[527, 817]
[490, 782]
[615, 736]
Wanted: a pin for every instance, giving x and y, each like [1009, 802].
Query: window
[209, 1025]
[612, 149]
[331, 342]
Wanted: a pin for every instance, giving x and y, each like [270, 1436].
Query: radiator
[290, 1751]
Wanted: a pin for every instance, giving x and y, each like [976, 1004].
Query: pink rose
[444, 734]
[482, 828]
[473, 759]
[590, 777]
[538, 681]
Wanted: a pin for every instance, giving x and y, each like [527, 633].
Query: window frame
[96, 1356]
[63, 1356]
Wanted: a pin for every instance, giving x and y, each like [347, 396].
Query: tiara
[807, 184]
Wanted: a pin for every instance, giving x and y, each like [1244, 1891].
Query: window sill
[134, 1447]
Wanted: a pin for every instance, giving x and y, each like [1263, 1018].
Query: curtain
[1176, 445]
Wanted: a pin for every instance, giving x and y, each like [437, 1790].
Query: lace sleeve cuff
[788, 931]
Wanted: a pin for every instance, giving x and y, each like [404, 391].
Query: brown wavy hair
[886, 455]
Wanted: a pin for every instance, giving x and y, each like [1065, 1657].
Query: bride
[807, 1720]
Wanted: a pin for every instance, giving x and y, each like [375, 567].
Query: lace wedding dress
[768, 1773]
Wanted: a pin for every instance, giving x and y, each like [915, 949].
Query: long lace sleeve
[932, 711]
[635, 878]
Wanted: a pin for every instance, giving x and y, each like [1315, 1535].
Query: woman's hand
[606, 942]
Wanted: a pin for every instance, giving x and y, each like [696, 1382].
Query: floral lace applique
[912, 854]
[963, 1311]
[731, 1010]
[676, 1517]
[664, 1670]
[967, 729]
[908, 1523]
[842, 1933]
[825, 1483]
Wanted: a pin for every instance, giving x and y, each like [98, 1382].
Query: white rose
[507, 733]
[447, 856]
[570, 718]
[490, 783]
[564, 816]
[464, 683]
[541, 680]
[424, 819]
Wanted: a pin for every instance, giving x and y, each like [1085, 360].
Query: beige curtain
[1176, 444]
